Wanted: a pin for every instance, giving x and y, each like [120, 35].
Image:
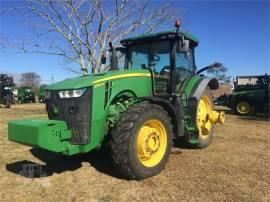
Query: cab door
[184, 67]
[155, 56]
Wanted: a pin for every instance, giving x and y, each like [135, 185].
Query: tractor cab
[168, 55]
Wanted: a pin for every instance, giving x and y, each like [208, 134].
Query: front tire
[141, 141]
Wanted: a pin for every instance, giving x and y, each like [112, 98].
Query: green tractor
[6, 88]
[25, 95]
[250, 95]
[41, 94]
[137, 110]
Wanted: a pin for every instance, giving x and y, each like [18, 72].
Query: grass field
[235, 167]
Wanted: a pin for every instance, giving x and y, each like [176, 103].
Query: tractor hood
[86, 81]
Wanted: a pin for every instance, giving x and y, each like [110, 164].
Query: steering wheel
[165, 70]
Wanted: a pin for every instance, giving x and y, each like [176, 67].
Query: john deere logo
[55, 110]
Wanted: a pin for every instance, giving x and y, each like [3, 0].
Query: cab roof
[160, 35]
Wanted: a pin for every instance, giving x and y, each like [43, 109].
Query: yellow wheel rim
[243, 108]
[151, 143]
[204, 123]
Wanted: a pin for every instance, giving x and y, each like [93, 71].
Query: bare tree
[31, 79]
[220, 73]
[79, 30]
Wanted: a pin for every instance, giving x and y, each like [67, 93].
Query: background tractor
[6, 87]
[26, 94]
[41, 94]
[250, 95]
[137, 108]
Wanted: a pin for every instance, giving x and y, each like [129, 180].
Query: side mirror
[183, 46]
[103, 59]
[215, 65]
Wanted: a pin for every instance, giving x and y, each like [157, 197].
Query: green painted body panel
[190, 126]
[47, 134]
[253, 92]
[258, 97]
[42, 90]
[38, 132]
[100, 111]
[86, 81]
[188, 87]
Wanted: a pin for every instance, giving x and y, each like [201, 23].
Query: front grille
[75, 111]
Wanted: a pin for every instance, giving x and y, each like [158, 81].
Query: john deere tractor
[41, 94]
[26, 94]
[138, 109]
[250, 95]
[6, 87]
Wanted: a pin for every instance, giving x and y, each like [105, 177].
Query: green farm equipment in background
[41, 94]
[250, 95]
[138, 109]
[6, 87]
[25, 95]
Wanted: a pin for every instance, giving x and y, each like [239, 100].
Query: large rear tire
[205, 127]
[141, 141]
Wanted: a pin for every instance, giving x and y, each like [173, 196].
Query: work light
[71, 93]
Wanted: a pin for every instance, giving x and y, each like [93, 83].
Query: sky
[235, 33]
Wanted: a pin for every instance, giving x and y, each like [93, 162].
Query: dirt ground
[235, 167]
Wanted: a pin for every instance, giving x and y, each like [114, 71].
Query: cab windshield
[156, 56]
[149, 55]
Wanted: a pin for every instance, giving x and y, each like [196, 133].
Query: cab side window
[184, 67]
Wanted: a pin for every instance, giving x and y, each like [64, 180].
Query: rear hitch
[217, 117]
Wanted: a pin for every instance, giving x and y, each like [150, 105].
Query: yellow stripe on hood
[123, 76]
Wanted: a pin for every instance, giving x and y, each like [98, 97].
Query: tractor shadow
[181, 143]
[56, 163]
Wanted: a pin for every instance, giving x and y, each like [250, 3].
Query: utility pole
[52, 78]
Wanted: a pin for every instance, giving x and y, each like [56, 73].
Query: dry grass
[234, 167]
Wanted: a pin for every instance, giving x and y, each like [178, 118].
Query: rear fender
[197, 93]
[212, 83]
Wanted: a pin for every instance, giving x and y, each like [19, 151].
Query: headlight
[71, 93]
